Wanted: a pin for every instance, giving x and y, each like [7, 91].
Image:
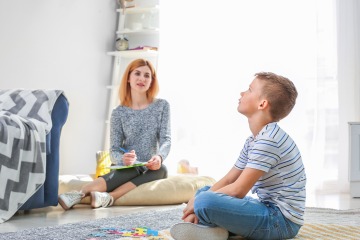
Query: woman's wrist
[161, 159]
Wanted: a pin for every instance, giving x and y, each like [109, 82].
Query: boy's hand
[129, 158]
[189, 209]
[154, 163]
[192, 218]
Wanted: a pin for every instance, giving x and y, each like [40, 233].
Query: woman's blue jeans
[247, 217]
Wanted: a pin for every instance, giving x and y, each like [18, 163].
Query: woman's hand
[154, 163]
[129, 158]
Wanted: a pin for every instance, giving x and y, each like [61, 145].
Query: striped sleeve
[275, 152]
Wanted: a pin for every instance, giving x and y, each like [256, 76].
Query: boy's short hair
[280, 92]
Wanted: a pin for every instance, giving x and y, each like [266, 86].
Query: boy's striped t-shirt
[274, 152]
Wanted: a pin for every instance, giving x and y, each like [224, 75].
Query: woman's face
[140, 79]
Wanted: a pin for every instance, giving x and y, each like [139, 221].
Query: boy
[269, 164]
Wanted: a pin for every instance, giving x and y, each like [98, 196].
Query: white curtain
[210, 51]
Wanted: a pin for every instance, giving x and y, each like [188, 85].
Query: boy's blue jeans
[247, 217]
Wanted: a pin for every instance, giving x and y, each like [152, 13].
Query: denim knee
[203, 206]
[203, 189]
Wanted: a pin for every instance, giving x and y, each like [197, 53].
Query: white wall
[62, 44]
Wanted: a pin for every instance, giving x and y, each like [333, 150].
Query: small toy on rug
[134, 233]
[185, 168]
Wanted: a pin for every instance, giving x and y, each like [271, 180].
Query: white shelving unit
[146, 16]
[140, 25]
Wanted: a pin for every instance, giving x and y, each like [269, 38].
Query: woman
[140, 132]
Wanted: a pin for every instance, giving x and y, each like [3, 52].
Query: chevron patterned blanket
[25, 119]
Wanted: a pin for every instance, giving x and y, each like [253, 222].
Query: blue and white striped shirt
[274, 152]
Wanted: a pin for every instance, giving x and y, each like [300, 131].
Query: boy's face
[250, 99]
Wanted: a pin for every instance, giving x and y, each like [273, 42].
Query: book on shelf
[144, 48]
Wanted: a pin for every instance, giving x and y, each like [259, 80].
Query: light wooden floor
[52, 216]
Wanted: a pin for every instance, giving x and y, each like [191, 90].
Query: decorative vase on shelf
[122, 44]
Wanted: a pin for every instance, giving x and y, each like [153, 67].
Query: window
[210, 52]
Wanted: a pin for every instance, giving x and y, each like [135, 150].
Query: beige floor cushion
[173, 190]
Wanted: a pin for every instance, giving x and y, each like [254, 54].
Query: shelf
[134, 53]
[140, 25]
[140, 31]
[136, 10]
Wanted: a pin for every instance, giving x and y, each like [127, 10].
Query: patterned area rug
[326, 224]
[328, 231]
[320, 223]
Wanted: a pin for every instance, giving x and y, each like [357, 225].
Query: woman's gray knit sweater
[146, 131]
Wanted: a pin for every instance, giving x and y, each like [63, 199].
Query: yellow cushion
[102, 162]
[172, 190]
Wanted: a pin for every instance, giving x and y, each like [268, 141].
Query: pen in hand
[132, 162]
[124, 150]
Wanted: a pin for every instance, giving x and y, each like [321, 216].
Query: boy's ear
[263, 104]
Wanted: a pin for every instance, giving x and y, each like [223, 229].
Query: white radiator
[354, 158]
